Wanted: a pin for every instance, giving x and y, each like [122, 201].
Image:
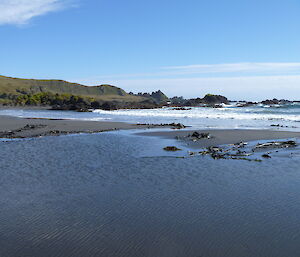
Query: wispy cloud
[209, 70]
[236, 68]
[20, 12]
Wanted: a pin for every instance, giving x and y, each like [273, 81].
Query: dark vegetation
[72, 102]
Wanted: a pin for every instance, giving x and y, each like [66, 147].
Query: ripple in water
[97, 195]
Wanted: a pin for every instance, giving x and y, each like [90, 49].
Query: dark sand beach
[13, 127]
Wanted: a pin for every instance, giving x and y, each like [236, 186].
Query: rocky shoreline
[231, 144]
[150, 101]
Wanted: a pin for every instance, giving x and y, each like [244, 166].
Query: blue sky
[245, 49]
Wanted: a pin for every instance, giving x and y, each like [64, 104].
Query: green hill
[16, 86]
[63, 95]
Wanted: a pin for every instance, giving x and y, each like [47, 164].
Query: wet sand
[13, 127]
[223, 136]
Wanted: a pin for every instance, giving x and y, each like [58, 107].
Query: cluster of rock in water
[236, 151]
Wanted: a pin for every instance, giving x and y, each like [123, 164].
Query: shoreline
[219, 137]
[14, 127]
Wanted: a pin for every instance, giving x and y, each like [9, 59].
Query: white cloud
[22, 11]
[236, 67]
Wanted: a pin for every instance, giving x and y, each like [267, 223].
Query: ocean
[287, 116]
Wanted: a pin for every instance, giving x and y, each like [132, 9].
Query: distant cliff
[63, 95]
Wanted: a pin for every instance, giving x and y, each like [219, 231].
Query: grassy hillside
[64, 95]
[16, 86]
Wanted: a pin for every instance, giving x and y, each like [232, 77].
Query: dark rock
[159, 96]
[214, 99]
[278, 144]
[278, 125]
[177, 125]
[194, 102]
[270, 102]
[208, 101]
[172, 149]
[173, 125]
[266, 156]
[246, 104]
[198, 135]
[240, 144]
[284, 101]
[181, 109]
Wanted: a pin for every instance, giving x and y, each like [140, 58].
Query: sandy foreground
[13, 127]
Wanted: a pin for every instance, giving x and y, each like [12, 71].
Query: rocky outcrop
[158, 96]
[275, 101]
[214, 99]
[270, 102]
[208, 100]
[246, 104]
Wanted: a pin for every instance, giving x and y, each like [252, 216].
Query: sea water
[119, 194]
[287, 116]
